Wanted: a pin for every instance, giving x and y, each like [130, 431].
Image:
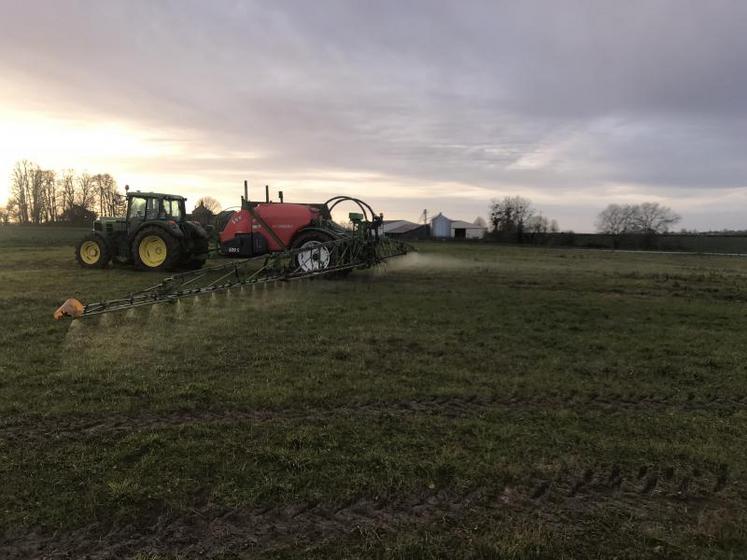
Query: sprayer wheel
[316, 260]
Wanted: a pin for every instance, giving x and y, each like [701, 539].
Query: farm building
[404, 229]
[444, 227]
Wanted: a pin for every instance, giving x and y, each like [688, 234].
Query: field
[466, 401]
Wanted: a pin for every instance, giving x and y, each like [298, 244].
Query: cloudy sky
[435, 104]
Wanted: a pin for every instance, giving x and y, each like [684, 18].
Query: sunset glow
[204, 97]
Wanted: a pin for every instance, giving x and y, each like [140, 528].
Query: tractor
[154, 235]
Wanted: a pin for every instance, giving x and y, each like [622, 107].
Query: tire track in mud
[653, 481]
[210, 530]
[89, 425]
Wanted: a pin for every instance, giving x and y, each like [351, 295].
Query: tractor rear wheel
[201, 247]
[156, 249]
[93, 251]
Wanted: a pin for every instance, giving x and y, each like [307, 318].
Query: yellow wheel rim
[152, 251]
[90, 253]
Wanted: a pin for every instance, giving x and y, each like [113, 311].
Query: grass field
[466, 401]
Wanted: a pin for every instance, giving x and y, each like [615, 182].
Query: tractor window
[151, 210]
[137, 208]
[172, 209]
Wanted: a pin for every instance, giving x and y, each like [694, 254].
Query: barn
[443, 227]
[404, 229]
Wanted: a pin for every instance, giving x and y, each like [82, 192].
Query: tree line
[43, 196]
[515, 217]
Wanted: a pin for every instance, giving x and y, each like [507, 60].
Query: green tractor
[154, 235]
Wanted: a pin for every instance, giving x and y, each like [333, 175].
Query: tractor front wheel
[155, 249]
[93, 251]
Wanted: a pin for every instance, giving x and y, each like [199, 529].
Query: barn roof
[404, 228]
[461, 224]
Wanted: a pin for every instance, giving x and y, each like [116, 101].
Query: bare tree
[33, 193]
[510, 214]
[209, 203]
[49, 195]
[537, 224]
[4, 215]
[206, 210]
[12, 210]
[41, 196]
[20, 190]
[617, 219]
[110, 201]
[36, 199]
[86, 193]
[649, 218]
[67, 189]
[653, 218]
[480, 221]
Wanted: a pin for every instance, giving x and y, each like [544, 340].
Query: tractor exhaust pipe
[246, 190]
[267, 193]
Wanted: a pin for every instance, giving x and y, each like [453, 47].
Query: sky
[410, 105]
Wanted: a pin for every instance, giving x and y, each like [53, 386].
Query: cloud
[414, 104]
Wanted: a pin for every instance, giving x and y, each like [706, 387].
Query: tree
[206, 210]
[42, 196]
[20, 190]
[537, 224]
[48, 185]
[510, 214]
[86, 194]
[653, 218]
[36, 200]
[4, 215]
[616, 219]
[649, 218]
[11, 209]
[209, 203]
[66, 183]
[480, 221]
[110, 201]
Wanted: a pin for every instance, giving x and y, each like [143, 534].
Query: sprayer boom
[336, 257]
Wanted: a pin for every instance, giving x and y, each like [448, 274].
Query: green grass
[15, 236]
[467, 401]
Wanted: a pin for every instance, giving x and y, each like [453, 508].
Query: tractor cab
[147, 206]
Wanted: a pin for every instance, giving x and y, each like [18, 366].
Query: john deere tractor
[154, 235]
